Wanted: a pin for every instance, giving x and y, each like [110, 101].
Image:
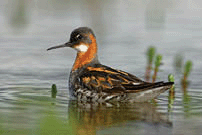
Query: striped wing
[109, 80]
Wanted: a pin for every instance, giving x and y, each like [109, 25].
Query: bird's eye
[79, 36]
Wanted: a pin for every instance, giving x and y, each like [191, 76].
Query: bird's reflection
[89, 117]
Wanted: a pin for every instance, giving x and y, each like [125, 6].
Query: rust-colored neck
[87, 57]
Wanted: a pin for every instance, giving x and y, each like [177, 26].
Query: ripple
[31, 96]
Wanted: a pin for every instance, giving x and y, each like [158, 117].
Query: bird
[91, 81]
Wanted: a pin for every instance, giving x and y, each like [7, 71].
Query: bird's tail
[149, 92]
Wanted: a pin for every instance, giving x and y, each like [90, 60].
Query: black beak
[68, 44]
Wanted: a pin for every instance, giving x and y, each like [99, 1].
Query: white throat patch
[82, 48]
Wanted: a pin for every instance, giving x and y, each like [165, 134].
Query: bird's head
[81, 39]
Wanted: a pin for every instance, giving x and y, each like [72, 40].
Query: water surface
[124, 32]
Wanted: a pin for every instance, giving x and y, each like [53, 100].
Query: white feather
[82, 48]
[109, 97]
[136, 83]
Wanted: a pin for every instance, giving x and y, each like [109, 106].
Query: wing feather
[106, 79]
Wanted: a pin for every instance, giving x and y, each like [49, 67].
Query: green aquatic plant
[186, 73]
[53, 91]
[150, 56]
[171, 96]
[187, 70]
[156, 69]
[171, 79]
[184, 82]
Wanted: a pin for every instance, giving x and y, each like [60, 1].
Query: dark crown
[81, 34]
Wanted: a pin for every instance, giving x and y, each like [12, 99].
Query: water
[124, 32]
